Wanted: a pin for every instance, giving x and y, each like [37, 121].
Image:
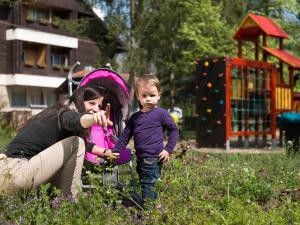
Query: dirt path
[192, 145]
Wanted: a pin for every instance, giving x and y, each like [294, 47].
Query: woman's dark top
[43, 131]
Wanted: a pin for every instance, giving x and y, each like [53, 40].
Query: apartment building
[36, 53]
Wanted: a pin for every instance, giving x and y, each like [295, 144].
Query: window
[31, 14]
[35, 97]
[58, 15]
[4, 12]
[32, 97]
[29, 55]
[50, 98]
[40, 14]
[59, 60]
[18, 97]
[34, 54]
[59, 57]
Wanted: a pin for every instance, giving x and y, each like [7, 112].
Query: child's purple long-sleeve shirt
[147, 129]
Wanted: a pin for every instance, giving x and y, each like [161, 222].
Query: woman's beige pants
[60, 164]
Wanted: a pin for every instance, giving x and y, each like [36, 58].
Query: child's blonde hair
[147, 78]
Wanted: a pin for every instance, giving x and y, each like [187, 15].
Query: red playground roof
[253, 26]
[285, 56]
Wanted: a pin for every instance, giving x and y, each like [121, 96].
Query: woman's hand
[101, 118]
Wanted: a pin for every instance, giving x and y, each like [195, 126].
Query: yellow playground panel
[283, 99]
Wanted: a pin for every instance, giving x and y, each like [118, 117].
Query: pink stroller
[119, 101]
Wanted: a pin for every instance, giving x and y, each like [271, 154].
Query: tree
[161, 25]
[167, 35]
[123, 21]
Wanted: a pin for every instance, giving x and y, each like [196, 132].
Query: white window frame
[61, 57]
[44, 92]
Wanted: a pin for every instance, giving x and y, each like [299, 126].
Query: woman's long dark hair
[80, 95]
[76, 102]
[73, 103]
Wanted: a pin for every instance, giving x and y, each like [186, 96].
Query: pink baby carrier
[119, 100]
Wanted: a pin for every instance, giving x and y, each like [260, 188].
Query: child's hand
[111, 155]
[164, 156]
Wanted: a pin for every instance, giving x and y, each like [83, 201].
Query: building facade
[36, 54]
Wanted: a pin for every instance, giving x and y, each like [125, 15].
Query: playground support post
[227, 104]
[273, 107]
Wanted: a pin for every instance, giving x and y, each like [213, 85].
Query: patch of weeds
[251, 187]
[6, 133]
[292, 148]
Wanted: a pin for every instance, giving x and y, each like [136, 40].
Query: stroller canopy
[113, 82]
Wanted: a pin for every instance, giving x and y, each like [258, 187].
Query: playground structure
[238, 99]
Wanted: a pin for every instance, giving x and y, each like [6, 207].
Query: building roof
[81, 73]
[253, 26]
[285, 56]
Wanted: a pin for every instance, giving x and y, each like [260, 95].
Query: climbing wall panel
[235, 97]
[211, 102]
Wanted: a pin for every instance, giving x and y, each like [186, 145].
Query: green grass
[5, 134]
[198, 189]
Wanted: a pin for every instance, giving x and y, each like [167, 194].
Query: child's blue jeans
[149, 170]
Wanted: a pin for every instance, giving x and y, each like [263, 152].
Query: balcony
[45, 16]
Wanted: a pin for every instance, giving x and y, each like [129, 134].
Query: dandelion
[246, 170]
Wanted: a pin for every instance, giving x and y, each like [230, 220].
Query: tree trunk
[133, 46]
[172, 91]
[171, 80]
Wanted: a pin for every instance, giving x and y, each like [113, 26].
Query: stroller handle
[70, 80]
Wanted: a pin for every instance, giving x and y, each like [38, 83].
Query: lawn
[5, 134]
[198, 188]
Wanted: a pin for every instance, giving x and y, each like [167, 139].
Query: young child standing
[147, 129]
